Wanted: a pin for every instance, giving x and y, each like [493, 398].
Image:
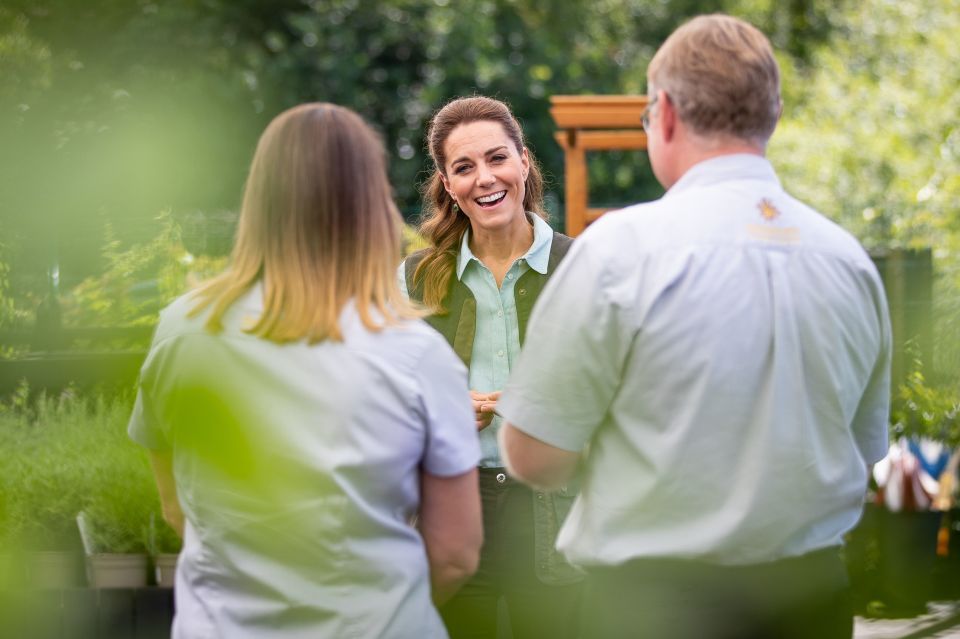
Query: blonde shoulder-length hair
[318, 226]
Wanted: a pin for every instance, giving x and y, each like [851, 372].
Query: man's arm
[535, 462]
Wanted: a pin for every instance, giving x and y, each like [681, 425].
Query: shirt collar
[537, 256]
[726, 168]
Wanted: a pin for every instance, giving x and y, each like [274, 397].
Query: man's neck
[696, 149]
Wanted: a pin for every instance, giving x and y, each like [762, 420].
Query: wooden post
[593, 123]
[575, 165]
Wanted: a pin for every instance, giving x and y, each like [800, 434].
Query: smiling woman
[491, 253]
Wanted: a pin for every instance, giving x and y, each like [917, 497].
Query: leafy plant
[925, 410]
[72, 454]
[412, 240]
[161, 538]
[138, 280]
[122, 495]
[44, 483]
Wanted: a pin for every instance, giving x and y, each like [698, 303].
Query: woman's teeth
[493, 198]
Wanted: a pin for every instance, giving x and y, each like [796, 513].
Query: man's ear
[668, 117]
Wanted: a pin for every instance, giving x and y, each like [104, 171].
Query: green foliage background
[870, 137]
[121, 121]
[114, 110]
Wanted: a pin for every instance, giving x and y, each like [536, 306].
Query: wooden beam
[597, 111]
[616, 140]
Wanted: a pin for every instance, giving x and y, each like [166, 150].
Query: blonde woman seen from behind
[298, 414]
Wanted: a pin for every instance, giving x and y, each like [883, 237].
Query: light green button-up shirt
[496, 343]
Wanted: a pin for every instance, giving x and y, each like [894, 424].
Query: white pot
[165, 565]
[113, 570]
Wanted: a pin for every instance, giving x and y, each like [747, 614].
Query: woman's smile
[492, 200]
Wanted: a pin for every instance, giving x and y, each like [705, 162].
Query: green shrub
[922, 409]
[122, 497]
[73, 454]
[162, 539]
[44, 483]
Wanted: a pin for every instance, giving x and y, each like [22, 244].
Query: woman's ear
[446, 185]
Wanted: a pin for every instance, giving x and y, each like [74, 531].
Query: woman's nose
[484, 176]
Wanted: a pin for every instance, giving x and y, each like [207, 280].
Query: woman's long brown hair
[443, 225]
[318, 226]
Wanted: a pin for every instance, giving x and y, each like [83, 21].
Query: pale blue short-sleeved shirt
[725, 351]
[496, 343]
[298, 468]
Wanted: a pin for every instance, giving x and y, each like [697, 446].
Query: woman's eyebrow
[464, 158]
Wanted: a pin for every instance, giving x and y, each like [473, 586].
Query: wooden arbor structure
[593, 123]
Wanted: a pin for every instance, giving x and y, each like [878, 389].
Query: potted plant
[42, 485]
[163, 544]
[115, 521]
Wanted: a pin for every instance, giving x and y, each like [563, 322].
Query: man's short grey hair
[721, 76]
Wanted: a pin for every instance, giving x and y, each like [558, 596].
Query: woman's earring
[456, 207]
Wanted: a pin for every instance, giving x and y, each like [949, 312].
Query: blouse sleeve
[452, 447]
[145, 426]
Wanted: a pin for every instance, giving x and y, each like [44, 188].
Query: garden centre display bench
[89, 613]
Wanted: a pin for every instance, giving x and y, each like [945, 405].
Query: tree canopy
[112, 111]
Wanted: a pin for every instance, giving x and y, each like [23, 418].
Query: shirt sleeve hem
[542, 426]
[450, 469]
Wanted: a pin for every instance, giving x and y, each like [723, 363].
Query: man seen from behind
[716, 365]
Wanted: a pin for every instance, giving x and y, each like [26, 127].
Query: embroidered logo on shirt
[772, 233]
[768, 210]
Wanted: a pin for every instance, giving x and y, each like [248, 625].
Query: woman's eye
[499, 157]
[461, 169]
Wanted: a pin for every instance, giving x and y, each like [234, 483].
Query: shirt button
[522, 291]
[500, 353]
[501, 478]
[509, 276]
[539, 495]
[499, 313]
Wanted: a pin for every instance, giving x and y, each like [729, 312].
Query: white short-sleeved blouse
[298, 469]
